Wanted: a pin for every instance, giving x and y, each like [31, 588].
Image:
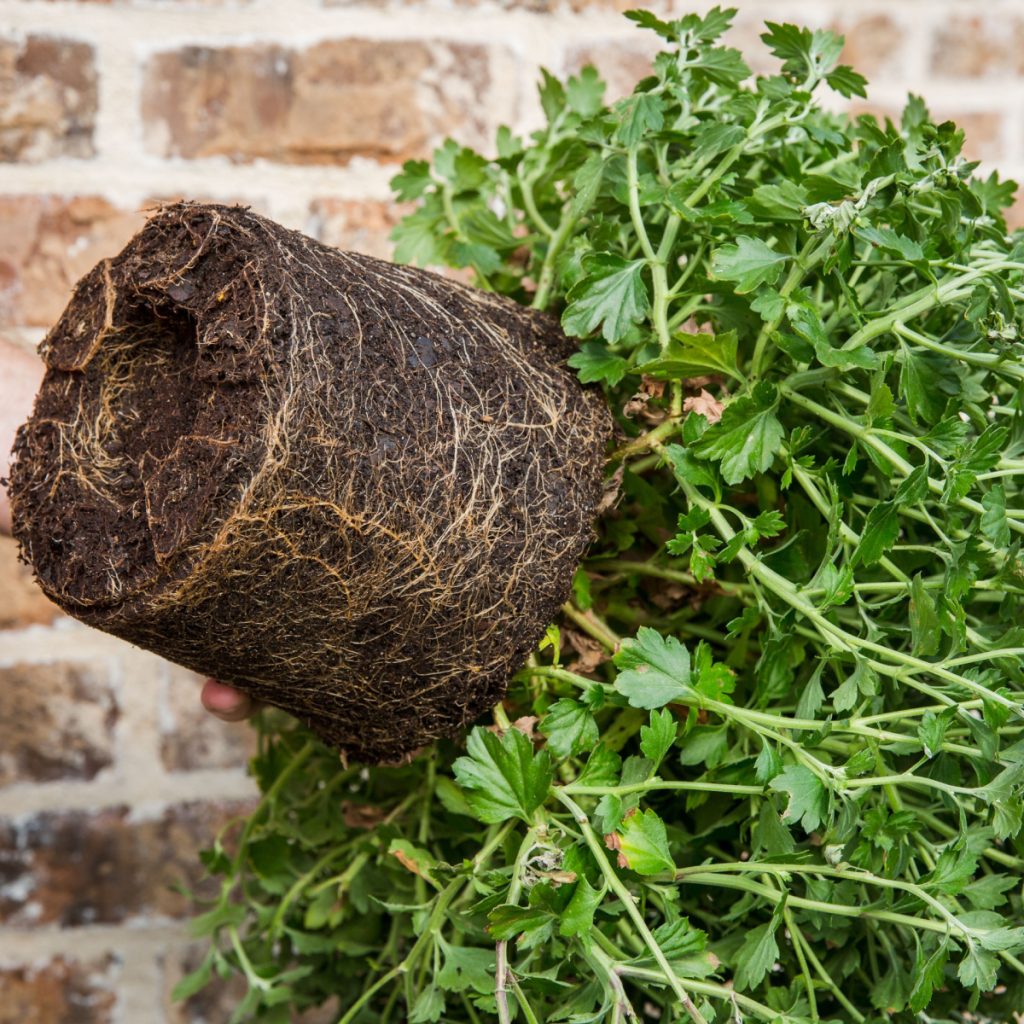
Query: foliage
[769, 764]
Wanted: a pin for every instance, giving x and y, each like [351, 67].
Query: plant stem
[629, 902]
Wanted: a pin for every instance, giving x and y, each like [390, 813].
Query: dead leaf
[614, 842]
[668, 595]
[407, 862]
[360, 815]
[591, 653]
[705, 404]
[612, 487]
[655, 388]
[525, 726]
[558, 877]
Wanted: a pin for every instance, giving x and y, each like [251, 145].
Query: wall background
[111, 777]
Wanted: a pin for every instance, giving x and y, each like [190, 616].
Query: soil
[355, 490]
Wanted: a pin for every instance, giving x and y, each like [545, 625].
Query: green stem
[628, 900]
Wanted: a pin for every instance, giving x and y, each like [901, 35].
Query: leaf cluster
[769, 764]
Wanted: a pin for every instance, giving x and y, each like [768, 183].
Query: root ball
[355, 490]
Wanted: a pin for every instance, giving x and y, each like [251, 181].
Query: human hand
[227, 703]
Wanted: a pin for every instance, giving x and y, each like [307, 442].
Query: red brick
[190, 737]
[21, 601]
[975, 47]
[359, 225]
[78, 868]
[325, 104]
[47, 99]
[56, 722]
[61, 991]
[621, 64]
[47, 243]
[875, 45]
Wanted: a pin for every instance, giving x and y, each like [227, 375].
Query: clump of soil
[355, 490]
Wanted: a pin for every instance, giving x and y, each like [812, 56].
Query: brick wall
[110, 775]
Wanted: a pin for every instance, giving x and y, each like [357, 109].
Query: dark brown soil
[357, 491]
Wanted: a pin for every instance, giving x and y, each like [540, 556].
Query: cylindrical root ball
[356, 491]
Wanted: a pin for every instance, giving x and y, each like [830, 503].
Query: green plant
[768, 766]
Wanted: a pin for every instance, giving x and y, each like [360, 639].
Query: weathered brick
[47, 243]
[47, 99]
[60, 991]
[21, 601]
[361, 225]
[191, 738]
[621, 64]
[77, 868]
[324, 104]
[875, 45]
[56, 722]
[976, 47]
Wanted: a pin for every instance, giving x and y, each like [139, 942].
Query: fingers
[227, 703]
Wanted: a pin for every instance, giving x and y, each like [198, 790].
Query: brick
[359, 225]
[21, 601]
[60, 991]
[621, 64]
[56, 722]
[325, 104]
[975, 47]
[531, 6]
[47, 99]
[875, 45]
[78, 868]
[191, 738]
[47, 243]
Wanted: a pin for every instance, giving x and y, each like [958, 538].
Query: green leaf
[503, 778]
[994, 524]
[847, 82]
[890, 241]
[928, 976]
[747, 437]
[602, 767]
[412, 181]
[654, 670]
[657, 739]
[611, 296]
[578, 916]
[757, 955]
[194, 982]
[879, 534]
[768, 763]
[691, 355]
[596, 363]
[644, 844]
[808, 798]
[714, 137]
[428, 1007]
[932, 732]
[924, 619]
[750, 263]
[466, 969]
[585, 91]
[569, 727]
[507, 921]
[638, 115]
[979, 968]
